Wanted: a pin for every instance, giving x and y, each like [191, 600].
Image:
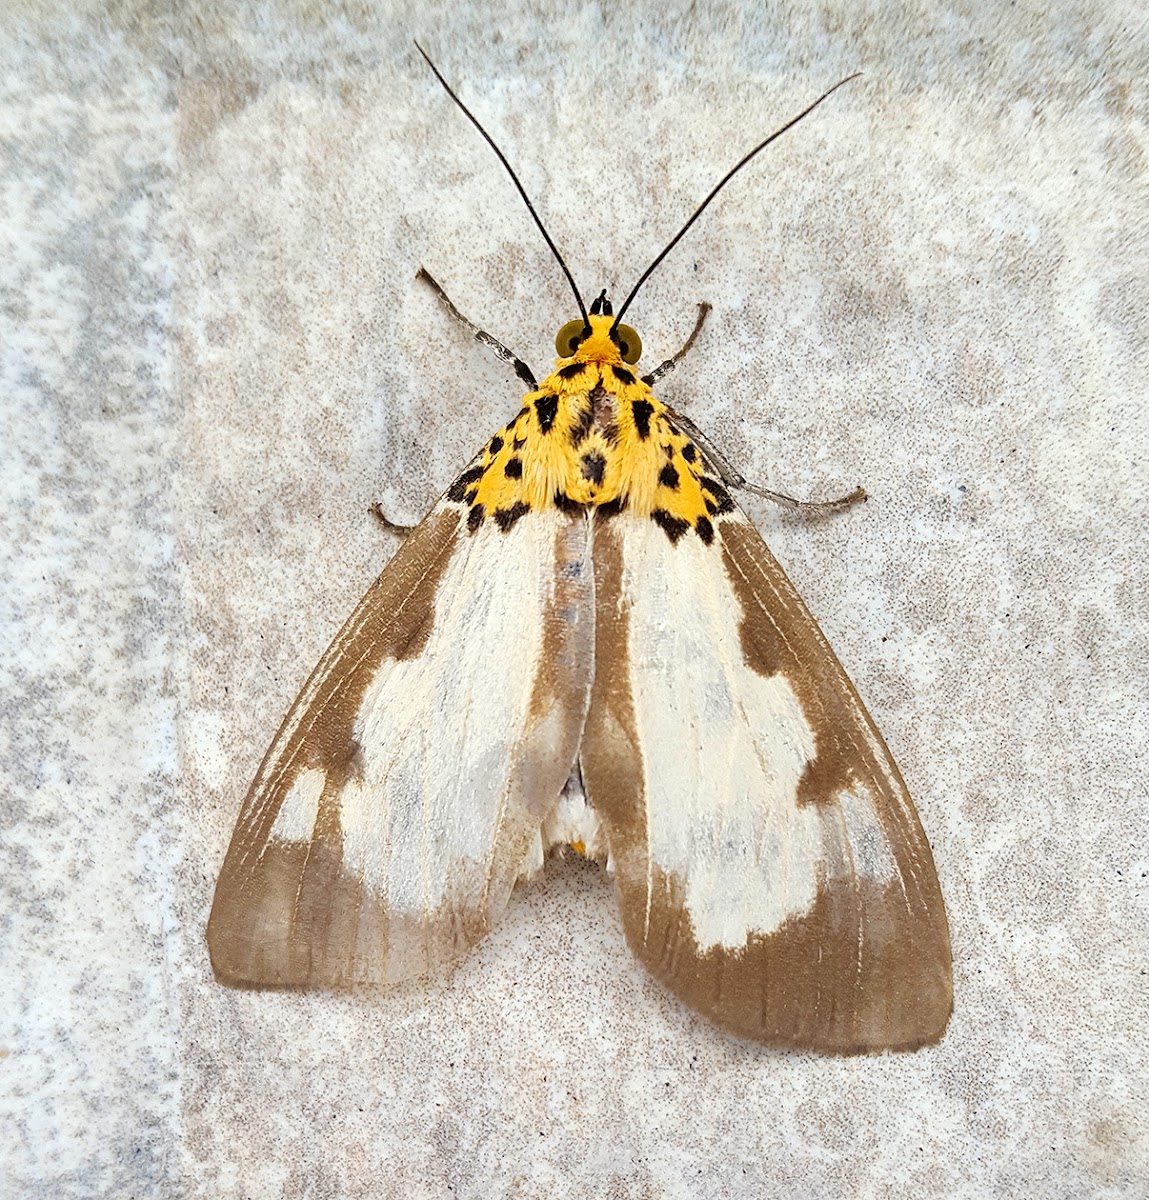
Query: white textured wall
[214, 357]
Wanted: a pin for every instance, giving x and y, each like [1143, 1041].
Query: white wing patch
[724, 751]
[438, 755]
[295, 821]
[866, 852]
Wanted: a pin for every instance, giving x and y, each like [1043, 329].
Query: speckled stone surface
[214, 357]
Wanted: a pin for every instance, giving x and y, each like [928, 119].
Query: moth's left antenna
[514, 179]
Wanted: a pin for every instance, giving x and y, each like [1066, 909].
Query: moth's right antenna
[717, 188]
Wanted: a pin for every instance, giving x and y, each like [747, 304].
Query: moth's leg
[480, 335]
[666, 367]
[735, 479]
[376, 510]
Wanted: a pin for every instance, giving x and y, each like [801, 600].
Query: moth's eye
[629, 344]
[569, 338]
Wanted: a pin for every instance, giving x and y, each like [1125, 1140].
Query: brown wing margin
[285, 913]
[868, 967]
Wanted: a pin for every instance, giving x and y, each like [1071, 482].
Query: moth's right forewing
[770, 866]
[405, 792]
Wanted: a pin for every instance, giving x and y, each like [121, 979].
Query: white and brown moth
[585, 643]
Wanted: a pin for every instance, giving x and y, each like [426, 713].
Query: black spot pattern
[581, 427]
[472, 492]
[623, 375]
[572, 370]
[668, 477]
[721, 502]
[518, 443]
[672, 526]
[705, 530]
[506, 517]
[546, 407]
[641, 410]
[565, 504]
[689, 452]
[458, 490]
[592, 466]
[475, 517]
[496, 444]
[611, 508]
[514, 468]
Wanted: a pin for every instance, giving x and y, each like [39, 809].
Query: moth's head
[601, 341]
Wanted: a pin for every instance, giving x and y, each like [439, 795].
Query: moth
[586, 644]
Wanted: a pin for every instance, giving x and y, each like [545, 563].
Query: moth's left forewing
[409, 785]
[770, 866]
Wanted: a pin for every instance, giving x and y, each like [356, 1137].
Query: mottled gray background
[214, 357]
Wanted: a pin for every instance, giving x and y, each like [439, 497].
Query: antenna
[717, 188]
[515, 179]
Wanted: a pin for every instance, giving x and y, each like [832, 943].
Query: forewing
[405, 791]
[770, 866]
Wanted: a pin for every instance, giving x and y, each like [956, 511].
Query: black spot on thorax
[674, 527]
[718, 499]
[565, 504]
[582, 427]
[592, 465]
[546, 407]
[611, 508]
[506, 517]
[458, 490]
[641, 411]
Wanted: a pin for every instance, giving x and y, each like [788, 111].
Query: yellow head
[574, 344]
